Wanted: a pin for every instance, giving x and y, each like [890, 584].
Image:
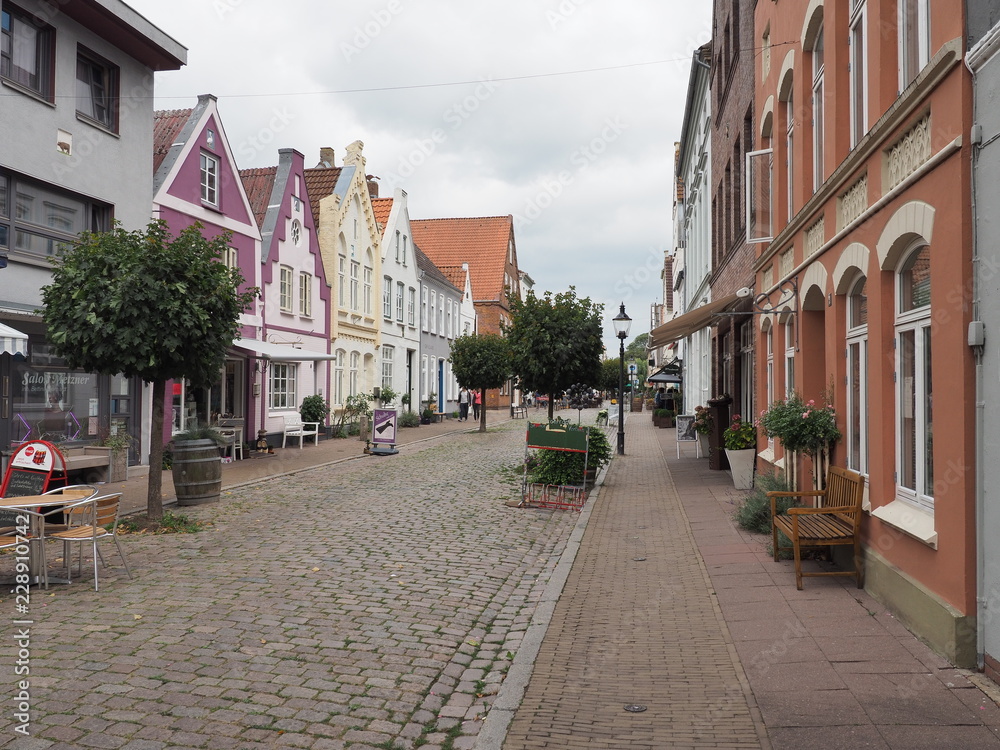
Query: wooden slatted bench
[836, 520]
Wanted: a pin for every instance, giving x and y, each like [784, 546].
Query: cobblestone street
[350, 605]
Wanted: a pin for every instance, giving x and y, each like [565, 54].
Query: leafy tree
[480, 362]
[555, 341]
[146, 305]
[610, 374]
[638, 350]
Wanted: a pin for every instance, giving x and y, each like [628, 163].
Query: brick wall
[734, 133]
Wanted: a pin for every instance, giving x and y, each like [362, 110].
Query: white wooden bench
[295, 427]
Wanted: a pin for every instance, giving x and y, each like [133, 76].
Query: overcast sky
[563, 113]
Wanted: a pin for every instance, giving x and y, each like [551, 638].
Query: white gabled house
[400, 350]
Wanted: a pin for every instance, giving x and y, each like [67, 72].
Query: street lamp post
[621, 323]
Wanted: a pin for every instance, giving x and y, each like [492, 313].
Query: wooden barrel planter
[197, 472]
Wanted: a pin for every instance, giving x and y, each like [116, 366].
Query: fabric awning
[664, 377]
[280, 352]
[689, 322]
[12, 341]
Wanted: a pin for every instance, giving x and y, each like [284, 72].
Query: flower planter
[197, 472]
[741, 466]
[703, 441]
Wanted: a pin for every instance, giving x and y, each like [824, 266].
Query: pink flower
[810, 402]
[805, 415]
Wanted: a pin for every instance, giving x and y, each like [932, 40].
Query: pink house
[195, 179]
[291, 357]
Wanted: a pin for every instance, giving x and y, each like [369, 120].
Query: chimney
[372, 181]
[325, 157]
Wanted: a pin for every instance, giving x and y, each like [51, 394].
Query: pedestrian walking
[464, 398]
[477, 401]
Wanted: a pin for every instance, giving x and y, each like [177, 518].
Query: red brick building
[487, 245]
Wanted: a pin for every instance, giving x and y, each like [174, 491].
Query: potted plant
[197, 466]
[740, 440]
[315, 409]
[405, 401]
[703, 423]
[118, 444]
[386, 395]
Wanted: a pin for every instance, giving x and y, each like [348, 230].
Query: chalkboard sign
[21, 482]
[557, 438]
[685, 429]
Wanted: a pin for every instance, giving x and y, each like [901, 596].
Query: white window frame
[857, 395]
[388, 355]
[790, 155]
[368, 278]
[305, 294]
[759, 203]
[355, 273]
[387, 297]
[916, 40]
[230, 257]
[400, 288]
[352, 383]
[790, 324]
[397, 245]
[859, 70]
[433, 311]
[338, 377]
[342, 281]
[285, 290]
[424, 322]
[284, 376]
[411, 307]
[818, 69]
[209, 179]
[913, 392]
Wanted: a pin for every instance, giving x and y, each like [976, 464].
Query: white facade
[693, 235]
[399, 305]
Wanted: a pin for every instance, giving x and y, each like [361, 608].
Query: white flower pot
[703, 440]
[741, 467]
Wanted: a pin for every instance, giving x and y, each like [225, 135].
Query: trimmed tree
[480, 361]
[555, 341]
[143, 304]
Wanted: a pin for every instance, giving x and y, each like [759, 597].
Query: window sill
[36, 95]
[211, 207]
[103, 127]
[911, 520]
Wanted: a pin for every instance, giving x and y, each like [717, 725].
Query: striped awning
[13, 341]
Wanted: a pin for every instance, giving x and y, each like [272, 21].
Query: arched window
[353, 383]
[914, 384]
[817, 105]
[857, 375]
[338, 377]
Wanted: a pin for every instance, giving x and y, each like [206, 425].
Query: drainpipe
[976, 339]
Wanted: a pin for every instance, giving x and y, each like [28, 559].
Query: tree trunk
[552, 405]
[482, 410]
[154, 490]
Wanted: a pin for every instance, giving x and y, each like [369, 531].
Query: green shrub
[314, 409]
[754, 513]
[409, 419]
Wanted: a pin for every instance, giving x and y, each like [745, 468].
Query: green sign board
[557, 438]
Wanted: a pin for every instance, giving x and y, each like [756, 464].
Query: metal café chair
[87, 522]
[12, 540]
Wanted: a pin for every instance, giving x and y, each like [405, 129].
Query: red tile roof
[454, 274]
[382, 208]
[167, 124]
[481, 242]
[258, 183]
[320, 182]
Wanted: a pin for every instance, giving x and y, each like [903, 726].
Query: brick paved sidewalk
[636, 624]
[670, 605]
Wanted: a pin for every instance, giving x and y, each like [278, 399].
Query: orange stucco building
[861, 205]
